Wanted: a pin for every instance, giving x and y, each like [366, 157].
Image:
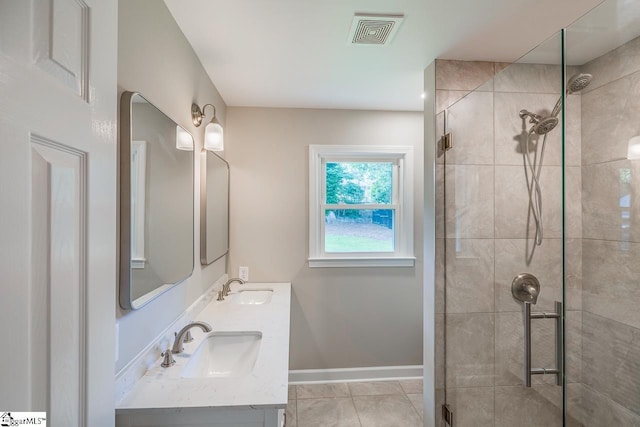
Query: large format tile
[573, 346]
[471, 407]
[610, 280]
[530, 78]
[517, 406]
[470, 122]
[615, 64]
[315, 391]
[598, 410]
[513, 210]
[470, 277]
[510, 349]
[573, 131]
[470, 350]
[440, 351]
[417, 400]
[375, 388]
[573, 274]
[446, 98]
[386, 411]
[440, 201]
[463, 75]
[411, 386]
[335, 412]
[573, 202]
[512, 258]
[440, 275]
[511, 130]
[610, 119]
[611, 360]
[292, 414]
[468, 201]
[610, 203]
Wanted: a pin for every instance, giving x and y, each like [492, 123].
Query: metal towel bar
[558, 370]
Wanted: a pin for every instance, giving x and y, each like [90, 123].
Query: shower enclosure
[538, 180]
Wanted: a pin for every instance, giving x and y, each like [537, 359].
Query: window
[360, 206]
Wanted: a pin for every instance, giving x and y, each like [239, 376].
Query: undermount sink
[252, 296]
[224, 354]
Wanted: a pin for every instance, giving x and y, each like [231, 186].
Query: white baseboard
[376, 373]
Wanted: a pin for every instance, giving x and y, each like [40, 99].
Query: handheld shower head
[545, 125]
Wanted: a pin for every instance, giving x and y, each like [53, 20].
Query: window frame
[402, 203]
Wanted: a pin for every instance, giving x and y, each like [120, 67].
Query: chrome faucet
[226, 288]
[177, 344]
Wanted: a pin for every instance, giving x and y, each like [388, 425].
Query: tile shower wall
[484, 239]
[611, 241]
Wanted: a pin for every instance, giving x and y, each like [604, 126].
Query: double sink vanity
[235, 369]
[237, 374]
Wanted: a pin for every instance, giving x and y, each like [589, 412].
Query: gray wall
[611, 240]
[155, 59]
[341, 317]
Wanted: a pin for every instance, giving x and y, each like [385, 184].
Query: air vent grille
[374, 29]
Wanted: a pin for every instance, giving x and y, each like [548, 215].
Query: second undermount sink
[252, 296]
[224, 354]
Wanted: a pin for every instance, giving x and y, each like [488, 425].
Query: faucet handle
[168, 359]
[220, 295]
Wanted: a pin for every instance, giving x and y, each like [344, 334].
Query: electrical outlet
[243, 273]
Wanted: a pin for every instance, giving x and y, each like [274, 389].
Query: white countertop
[265, 387]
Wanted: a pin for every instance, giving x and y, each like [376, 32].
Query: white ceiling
[294, 53]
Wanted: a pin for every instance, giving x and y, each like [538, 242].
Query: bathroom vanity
[237, 374]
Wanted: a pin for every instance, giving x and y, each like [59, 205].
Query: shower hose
[535, 192]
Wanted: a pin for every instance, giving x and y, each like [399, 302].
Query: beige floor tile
[418, 402]
[317, 391]
[375, 388]
[292, 414]
[333, 412]
[411, 386]
[386, 411]
[292, 392]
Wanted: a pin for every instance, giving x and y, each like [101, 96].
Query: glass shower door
[500, 182]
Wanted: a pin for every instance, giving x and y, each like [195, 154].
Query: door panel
[58, 169]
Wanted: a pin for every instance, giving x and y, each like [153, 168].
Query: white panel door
[58, 71]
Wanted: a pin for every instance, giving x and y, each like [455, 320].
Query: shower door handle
[528, 370]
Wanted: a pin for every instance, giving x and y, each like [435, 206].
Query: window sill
[362, 262]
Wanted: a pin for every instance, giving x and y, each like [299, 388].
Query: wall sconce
[213, 133]
[183, 140]
[633, 148]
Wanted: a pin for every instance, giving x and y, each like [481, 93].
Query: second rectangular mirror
[214, 208]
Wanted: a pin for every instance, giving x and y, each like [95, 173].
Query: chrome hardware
[180, 336]
[558, 370]
[226, 288]
[220, 295]
[168, 359]
[446, 142]
[447, 415]
[525, 288]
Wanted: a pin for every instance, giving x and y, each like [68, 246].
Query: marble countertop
[265, 387]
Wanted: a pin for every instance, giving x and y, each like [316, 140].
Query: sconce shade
[214, 136]
[183, 140]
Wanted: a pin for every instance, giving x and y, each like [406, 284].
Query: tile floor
[356, 404]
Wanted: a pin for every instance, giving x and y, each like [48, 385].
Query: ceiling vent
[373, 29]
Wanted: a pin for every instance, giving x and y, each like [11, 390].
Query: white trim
[138, 200]
[402, 204]
[362, 262]
[375, 373]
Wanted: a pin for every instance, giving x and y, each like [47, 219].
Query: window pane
[359, 230]
[359, 182]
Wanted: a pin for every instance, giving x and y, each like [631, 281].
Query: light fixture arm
[197, 114]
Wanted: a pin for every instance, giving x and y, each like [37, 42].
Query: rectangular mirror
[156, 202]
[214, 208]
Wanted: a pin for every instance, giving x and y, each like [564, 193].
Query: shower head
[545, 125]
[541, 125]
[578, 82]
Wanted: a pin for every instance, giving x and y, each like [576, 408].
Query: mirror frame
[124, 206]
[203, 207]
